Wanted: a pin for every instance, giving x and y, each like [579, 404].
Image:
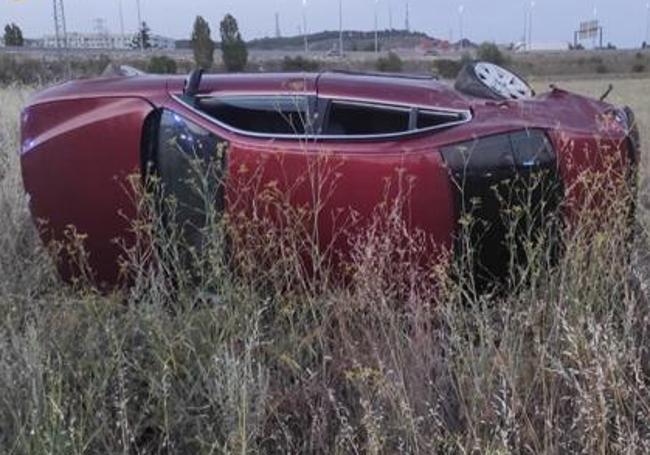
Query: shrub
[601, 68]
[390, 64]
[638, 68]
[299, 63]
[490, 52]
[161, 64]
[449, 69]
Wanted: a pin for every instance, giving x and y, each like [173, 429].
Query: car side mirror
[193, 83]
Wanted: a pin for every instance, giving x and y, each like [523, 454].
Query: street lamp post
[647, 25]
[341, 28]
[140, 28]
[525, 37]
[121, 11]
[530, 25]
[461, 10]
[304, 25]
[376, 26]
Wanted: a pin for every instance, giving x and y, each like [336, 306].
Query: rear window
[431, 119]
[260, 114]
[357, 119]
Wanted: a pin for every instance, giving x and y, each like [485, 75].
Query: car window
[286, 115]
[430, 119]
[357, 119]
[349, 118]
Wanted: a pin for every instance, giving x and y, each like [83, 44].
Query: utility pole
[119, 5]
[525, 37]
[407, 22]
[461, 10]
[341, 28]
[304, 25]
[376, 27]
[530, 25]
[278, 32]
[140, 28]
[647, 26]
[601, 34]
[60, 29]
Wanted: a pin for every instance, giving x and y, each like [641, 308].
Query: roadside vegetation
[255, 352]
[392, 63]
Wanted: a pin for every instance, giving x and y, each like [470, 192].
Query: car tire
[486, 80]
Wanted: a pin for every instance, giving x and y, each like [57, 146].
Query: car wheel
[487, 80]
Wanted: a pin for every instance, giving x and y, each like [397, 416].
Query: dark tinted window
[521, 149]
[347, 118]
[260, 114]
[430, 119]
[531, 148]
[190, 162]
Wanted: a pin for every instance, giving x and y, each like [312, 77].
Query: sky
[625, 21]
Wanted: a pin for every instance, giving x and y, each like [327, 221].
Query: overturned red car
[83, 139]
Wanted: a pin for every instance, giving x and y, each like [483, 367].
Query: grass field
[403, 359]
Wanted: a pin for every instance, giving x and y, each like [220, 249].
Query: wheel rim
[502, 81]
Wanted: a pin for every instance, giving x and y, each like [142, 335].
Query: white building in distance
[107, 41]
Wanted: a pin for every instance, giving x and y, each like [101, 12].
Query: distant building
[103, 41]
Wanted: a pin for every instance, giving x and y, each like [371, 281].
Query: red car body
[81, 140]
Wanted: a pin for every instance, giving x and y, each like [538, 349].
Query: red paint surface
[77, 157]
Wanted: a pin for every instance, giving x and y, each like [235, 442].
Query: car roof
[397, 89]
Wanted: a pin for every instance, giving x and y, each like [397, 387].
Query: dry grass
[403, 359]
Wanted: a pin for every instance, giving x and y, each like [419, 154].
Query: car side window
[300, 116]
[285, 115]
[362, 119]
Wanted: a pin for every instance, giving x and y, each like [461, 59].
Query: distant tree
[202, 44]
[13, 35]
[235, 54]
[490, 52]
[644, 45]
[142, 39]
